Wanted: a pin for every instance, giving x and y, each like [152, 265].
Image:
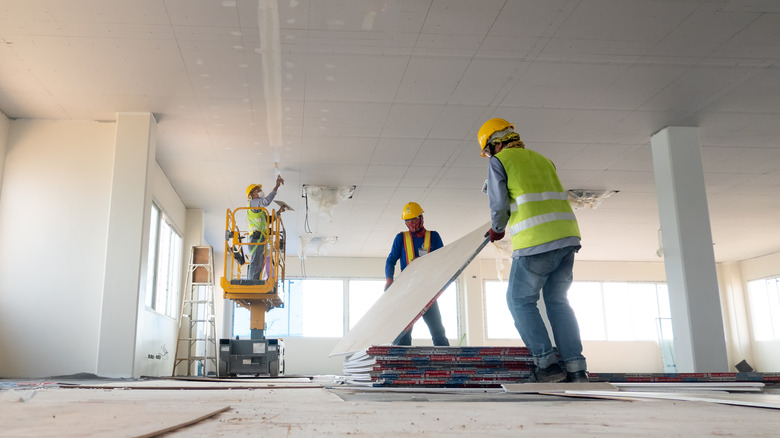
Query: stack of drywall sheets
[449, 366]
[685, 377]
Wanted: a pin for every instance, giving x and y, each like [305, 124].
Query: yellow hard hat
[251, 187]
[489, 128]
[411, 211]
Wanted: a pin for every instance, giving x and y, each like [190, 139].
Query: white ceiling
[388, 96]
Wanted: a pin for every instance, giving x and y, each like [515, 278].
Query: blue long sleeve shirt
[398, 253]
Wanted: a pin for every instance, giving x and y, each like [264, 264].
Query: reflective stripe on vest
[409, 245]
[258, 220]
[541, 211]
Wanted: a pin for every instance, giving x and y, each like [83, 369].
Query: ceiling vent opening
[323, 199]
[582, 198]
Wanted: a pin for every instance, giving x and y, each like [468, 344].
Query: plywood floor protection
[302, 407]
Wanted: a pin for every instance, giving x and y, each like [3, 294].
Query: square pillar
[697, 321]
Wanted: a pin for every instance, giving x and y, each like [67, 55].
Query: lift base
[251, 357]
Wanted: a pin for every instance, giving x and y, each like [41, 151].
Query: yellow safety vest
[409, 245]
[258, 220]
[540, 211]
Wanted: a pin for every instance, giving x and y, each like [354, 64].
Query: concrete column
[5, 126]
[134, 155]
[697, 321]
[471, 295]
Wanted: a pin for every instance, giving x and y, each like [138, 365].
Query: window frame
[175, 242]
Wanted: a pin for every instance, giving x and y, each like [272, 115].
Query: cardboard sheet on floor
[545, 388]
[412, 291]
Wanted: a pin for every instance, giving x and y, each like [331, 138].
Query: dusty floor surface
[303, 408]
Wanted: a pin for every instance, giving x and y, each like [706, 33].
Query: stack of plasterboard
[685, 377]
[440, 366]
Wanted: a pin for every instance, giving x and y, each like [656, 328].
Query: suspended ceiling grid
[388, 96]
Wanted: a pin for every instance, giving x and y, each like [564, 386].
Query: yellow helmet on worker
[251, 187]
[487, 130]
[411, 211]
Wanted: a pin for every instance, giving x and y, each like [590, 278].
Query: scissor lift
[257, 355]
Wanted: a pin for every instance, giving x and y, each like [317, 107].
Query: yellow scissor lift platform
[256, 355]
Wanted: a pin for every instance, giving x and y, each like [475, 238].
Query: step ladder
[197, 343]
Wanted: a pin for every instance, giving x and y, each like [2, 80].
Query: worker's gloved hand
[388, 283]
[494, 235]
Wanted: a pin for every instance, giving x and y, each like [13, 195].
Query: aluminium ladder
[197, 343]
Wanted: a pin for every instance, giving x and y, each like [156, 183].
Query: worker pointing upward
[407, 246]
[528, 200]
[258, 225]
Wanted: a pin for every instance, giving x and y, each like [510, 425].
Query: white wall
[53, 219]
[157, 334]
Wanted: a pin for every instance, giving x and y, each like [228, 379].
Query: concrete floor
[303, 407]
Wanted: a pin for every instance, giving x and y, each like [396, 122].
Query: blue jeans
[432, 318]
[551, 273]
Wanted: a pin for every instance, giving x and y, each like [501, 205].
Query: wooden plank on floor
[183, 424]
[69, 414]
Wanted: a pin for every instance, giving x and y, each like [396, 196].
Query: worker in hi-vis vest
[406, 247]
[258, 225]
[528, 201]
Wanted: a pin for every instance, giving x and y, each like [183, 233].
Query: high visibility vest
[258, 220]
[540, 211]
[409, 245]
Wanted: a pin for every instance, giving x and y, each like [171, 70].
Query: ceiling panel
[430, 80]
[389, 95]
[617, 20]
[459, 17]
[354, 78]
[394, 151]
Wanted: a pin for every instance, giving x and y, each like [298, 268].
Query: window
[764, 300]
[362, 295]
[163, 278]
[448, 306]
[316, 308]
[500, 324]
[312, 308]
[608, 311]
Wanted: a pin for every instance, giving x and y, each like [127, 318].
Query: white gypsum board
[410, 292]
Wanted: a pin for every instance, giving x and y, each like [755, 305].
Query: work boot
[578, 377]
[551, 374]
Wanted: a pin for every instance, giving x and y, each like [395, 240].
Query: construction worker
[406, 247]
[258, 225]
[527, 198]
